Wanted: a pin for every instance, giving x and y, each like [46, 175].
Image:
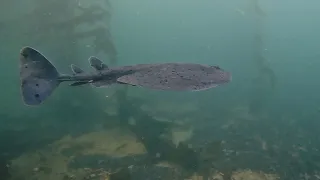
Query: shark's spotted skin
[177, 76]
[39, 77]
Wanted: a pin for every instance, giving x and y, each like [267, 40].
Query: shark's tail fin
[38, 76]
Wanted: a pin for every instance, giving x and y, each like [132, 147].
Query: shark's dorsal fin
[76, 70]
[97, 64]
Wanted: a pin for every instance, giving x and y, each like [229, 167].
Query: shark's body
[39, 77]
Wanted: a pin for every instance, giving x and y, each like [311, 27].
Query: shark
[39, 77]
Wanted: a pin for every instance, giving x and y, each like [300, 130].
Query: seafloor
[105, 155]
[154, 140]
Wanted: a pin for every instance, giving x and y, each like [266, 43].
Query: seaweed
[265, 82]
[4, 168]
[148, 130]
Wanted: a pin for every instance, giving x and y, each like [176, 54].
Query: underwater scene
[159, 90]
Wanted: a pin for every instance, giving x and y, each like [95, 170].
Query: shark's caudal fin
[38, 76]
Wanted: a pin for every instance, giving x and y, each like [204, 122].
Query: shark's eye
[217, 67]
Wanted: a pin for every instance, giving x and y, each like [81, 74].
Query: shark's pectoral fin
[128, 79]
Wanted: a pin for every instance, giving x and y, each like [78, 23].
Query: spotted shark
[39, 77]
